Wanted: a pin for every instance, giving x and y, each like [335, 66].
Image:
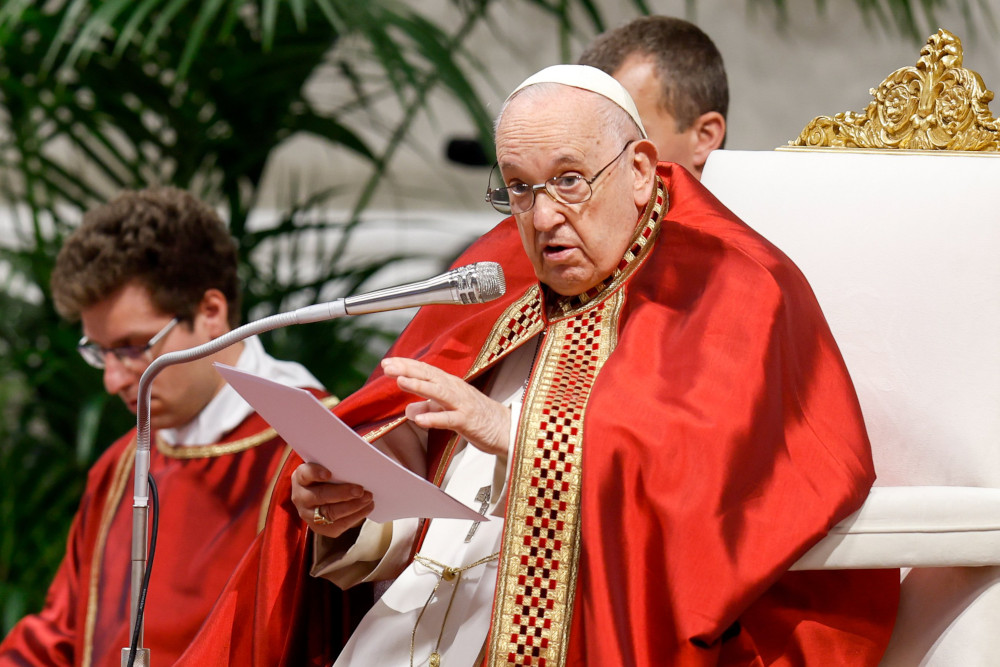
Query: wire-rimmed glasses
[566, 188]
[130, 356]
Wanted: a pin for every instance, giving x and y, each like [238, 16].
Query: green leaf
[161, 24]
[299, 13]
[93, 29]
[11, 14]
[269, 17]
[132, 25]
[69, 24]
[209, 11]
[334, 131]
[89, 424]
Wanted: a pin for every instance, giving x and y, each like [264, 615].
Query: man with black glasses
[654, 419]
[148, 273]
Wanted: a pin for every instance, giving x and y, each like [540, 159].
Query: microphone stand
[474, 283]
[140, 504]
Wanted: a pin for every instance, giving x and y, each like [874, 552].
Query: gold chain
[445, 573]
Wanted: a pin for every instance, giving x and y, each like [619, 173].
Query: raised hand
[451, 404]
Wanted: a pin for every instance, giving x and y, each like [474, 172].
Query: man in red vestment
[655, 420]
[152, 272]
[675, 74]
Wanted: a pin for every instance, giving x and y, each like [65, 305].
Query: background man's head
[547, 132]
[163, 239]
[676, 76]
[134, 265]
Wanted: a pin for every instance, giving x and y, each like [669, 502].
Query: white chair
[902, 248]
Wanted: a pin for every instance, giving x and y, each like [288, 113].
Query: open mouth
[554, 251]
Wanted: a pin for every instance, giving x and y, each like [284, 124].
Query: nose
[117, 376]
[547, 213]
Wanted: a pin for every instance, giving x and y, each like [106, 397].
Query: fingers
[424, 380]
[310, 482]
[452, 404]
[431, 416]
[421, 407]
[310, 473]
[334, 520]
[428, 415]
[341, 505]
[402, 366]
[335, 493]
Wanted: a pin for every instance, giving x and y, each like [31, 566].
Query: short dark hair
[165, 239]
[689, 64]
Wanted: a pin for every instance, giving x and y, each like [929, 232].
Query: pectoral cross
[482, 497]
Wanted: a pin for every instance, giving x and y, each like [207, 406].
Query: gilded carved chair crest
[938, 104]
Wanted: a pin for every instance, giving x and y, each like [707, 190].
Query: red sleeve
[55, 635]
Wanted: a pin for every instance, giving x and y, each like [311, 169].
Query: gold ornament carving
[936, 105]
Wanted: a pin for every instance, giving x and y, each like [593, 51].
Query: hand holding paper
[319, 436]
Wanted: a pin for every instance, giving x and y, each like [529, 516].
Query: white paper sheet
[319, 436]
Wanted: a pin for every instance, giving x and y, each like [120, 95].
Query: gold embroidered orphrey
[936, 105]
[533, 604]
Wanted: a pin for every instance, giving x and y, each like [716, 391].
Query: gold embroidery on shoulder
[120, 479]
[520, 322]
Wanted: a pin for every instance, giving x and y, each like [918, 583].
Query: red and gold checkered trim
[520, 322]
[537, 581]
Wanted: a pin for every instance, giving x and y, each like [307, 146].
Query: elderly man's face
[573, 247]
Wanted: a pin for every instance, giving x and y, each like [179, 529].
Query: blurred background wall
[782, 73]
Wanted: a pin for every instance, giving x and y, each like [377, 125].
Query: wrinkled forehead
[547, 116]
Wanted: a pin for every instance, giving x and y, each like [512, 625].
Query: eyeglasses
[132, 357]
[566, 188]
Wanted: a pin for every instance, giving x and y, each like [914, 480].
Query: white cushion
[914, 526]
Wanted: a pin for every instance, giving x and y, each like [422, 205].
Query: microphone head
[480, 282]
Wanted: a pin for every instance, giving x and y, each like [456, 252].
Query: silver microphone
[474, 283]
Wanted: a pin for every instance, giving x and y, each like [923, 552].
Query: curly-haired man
[151, 272]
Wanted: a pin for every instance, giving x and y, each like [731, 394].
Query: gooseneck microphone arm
[475, 283]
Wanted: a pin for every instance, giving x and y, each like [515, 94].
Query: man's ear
[213, 313]
[708, 131]
[644, 170]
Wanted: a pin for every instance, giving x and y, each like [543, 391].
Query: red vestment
[212, 503]
[721, 439]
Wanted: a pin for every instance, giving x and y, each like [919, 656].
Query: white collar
[227, 409]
